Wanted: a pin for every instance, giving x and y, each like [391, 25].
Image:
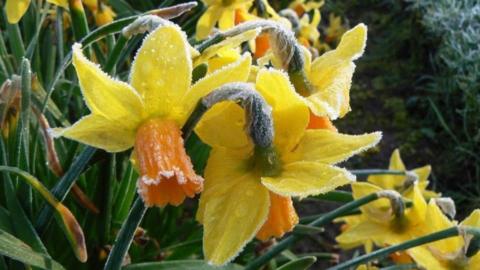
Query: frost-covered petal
[227, 117]
[331, 147]
[104, 95]
[235, 72]
[302, 179]
[233, 206]
[331, 75]
[290, 113]
[207, 21]
[162, 69]
[100, 132]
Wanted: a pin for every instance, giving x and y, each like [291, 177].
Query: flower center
[266, 161]
[166, 172]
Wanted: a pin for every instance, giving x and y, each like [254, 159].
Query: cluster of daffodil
[378, 226]
[270, 142]
[261, 88]
[102, 13]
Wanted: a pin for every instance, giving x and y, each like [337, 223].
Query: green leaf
[180, 265]
[61, 189]
[65, 218]
[125, 236]
[299, 264]
[14, 248]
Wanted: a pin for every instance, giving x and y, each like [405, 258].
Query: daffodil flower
[240, 201]
[221, 11]
[335, 28]
[449, 253]
[17, 8]
[331, 74]
[148, 113]
[397, 182]
[308, 32]
[379, 225]
[302, 6]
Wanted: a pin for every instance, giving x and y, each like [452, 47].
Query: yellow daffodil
[335, 28]
[446, 254]
[302, 6]
[147, 114]
[308, 33]
[103, 15]
[16, 8]
[367, 267]
[221, 11]
[239, 201]
[397, 182]
[380, 225]
[331, 75]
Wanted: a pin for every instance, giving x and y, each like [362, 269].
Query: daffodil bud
[396, 201]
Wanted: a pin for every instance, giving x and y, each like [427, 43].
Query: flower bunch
[258, 90]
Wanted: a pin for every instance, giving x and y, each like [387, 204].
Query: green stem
[368, 172]
[125, 236]
[405, 266]
[285, 243]
[447, 233]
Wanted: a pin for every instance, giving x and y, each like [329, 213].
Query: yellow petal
[378, 210]
[162, 69]
[235, 72]
[103, 95]
[331, 75]
[227, 19]
[16, 9]
[474, 262]
[61, 3]
[232, 197]
[416, 213]
[423, 173]
[207, 21]
[330, 147]
[223, 58]
[227, 117]
[473, 219]
[237, 160]
[100, 132]
[396, 162]
[303, 179]
[437, 221]
[364, 232]
[290, 114]
[386, 181]
[423, 257]
[229, 43]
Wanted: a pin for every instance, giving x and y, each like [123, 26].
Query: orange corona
[320, 122]
[281, 218]
[167, 174]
